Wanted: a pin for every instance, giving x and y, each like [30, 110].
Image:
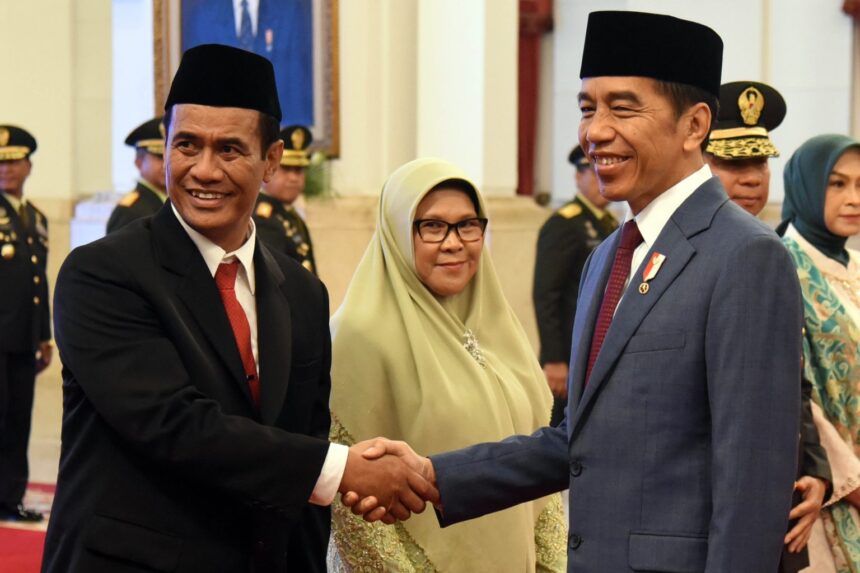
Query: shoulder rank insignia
[570, 211]
[264, 210]
[129, 199]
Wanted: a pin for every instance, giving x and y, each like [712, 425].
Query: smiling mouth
[207, 195]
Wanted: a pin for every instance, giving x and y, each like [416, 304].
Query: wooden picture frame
[167, 35]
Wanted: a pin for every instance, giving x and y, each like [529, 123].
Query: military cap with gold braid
[149, 136]
[748, 112]
[296, 138]
[15, 143]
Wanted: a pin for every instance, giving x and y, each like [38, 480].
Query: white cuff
[330, 475]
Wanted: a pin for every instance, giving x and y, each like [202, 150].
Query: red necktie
[630, 239]
[225, 279]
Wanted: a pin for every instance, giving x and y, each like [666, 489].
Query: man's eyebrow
[624, 95]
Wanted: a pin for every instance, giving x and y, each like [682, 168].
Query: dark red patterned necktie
[225, 279]
[630, 239]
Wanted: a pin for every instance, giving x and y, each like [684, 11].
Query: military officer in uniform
[278, 223]
[25, 323]
[149, 194]
[565, 241]
[738, 151]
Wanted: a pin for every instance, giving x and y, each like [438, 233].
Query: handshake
[386, 480]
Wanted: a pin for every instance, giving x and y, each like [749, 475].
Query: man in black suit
[279, 224]
[25, 322]
[196, 365]
[149, 194]
[564, 243]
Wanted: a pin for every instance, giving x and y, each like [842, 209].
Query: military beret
[149, 136]
[296, 139]
[15, 143]
[748, 112]
[223, 76]
[654, 46]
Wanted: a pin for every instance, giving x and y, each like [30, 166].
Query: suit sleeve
[558, 253]
[114, 346]
[752, 359]
[490, 477]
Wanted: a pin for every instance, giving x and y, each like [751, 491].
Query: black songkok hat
[296, 139]
[577, 158]
[652, 46]
[149, 135]
[222, 76]
[748, 112]
[15, 143]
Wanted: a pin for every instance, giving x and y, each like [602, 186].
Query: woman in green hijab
[820, 212]
[426, 349]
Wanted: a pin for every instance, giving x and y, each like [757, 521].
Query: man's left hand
[805, 512]
[43, 355]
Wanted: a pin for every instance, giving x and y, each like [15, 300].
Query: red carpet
[21, 544]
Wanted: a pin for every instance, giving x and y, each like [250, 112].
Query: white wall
[801, 47]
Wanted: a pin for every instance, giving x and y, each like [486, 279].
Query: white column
[467, 88]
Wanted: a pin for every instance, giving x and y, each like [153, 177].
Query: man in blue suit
[279, 30]
[680, 440]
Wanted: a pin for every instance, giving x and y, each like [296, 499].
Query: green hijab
[439, 373]
[805, 176]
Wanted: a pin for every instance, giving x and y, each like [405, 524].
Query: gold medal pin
[651, 270]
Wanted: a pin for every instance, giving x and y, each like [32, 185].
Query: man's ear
[696, 125]
[273, 159]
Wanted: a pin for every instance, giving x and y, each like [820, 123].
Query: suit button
[34, 259]
[575, 541]
[37, 279]
[575, 468]
[35, 300]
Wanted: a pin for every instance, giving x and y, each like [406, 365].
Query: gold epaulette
[264, 210]
[129, 199]
[570, 211]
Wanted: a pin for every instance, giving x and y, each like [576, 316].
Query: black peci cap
[149, 135]
[748, 112]
[296, 139]
[222, 76]
[653, 46]
[15, 143]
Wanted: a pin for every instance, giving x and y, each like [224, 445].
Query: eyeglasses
[436, 231]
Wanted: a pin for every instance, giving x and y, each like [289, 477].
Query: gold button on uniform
[37, 279]
[29, 240]
[34, 259]
[35, 300]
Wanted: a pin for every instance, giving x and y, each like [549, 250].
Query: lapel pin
[651, 270]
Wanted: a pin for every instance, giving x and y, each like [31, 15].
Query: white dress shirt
[657, 213]
[246, 282]
[253, 10]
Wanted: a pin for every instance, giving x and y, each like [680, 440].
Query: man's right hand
[372, 507]
[556, 377]
[388, 486]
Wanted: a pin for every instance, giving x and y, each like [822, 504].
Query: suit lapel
[197, 290]
[274, 334]
[692, 217]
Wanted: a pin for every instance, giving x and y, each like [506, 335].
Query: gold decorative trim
[742, 148]
[738, 132]
[293, 158]
[14, 152]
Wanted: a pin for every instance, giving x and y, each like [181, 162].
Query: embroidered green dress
[831, 351]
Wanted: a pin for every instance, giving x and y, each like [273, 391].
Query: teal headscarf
[806, 175]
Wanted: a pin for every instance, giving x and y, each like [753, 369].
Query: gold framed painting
[299, 37]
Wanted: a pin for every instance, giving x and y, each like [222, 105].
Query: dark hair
[460, 185]
[267, 126]
[684, 96]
